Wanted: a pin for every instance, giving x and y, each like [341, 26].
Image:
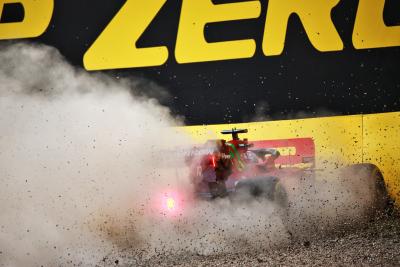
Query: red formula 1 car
[238, 168]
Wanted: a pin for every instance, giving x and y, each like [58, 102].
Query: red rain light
[213, 161]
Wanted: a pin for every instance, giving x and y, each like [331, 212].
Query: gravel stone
[375, 244]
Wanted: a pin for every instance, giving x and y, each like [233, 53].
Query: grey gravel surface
[376, 243]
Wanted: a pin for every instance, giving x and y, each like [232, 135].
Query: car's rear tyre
[280, 196]
[269, 188]
[217, 189]
[258, 187]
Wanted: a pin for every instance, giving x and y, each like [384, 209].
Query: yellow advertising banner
[381, 147]
[339, 140]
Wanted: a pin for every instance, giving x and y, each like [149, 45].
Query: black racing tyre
[281, 196]
[258, 187]
[383, 202]
[217, 189]
[370, 175]
[269, 188]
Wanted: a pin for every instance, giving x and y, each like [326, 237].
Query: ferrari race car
[282, 171]
[239, 169]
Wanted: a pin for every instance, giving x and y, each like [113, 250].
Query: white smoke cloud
[83, 164]
[80, 160]
[72, 145]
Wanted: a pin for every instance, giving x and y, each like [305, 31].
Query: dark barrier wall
[334, 57]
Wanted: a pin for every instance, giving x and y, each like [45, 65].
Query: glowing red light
[170, 203]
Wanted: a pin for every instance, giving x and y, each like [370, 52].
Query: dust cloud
[73, 147]
[80, 169]
[85, 168]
